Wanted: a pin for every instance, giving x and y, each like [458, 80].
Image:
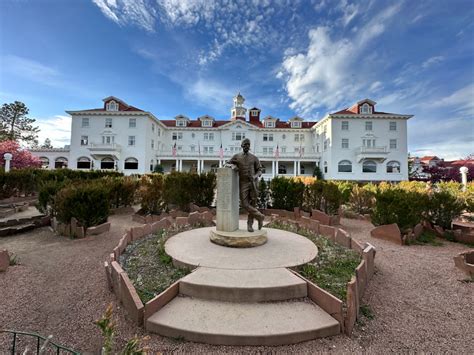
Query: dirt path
[60, 289]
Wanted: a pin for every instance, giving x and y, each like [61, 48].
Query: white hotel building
[357, 143]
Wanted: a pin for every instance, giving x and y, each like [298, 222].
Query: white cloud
[57, 128]
[322, 76]
[30, 69]
[461, 101]
[138, 12]
[210, 93]
[432, 61]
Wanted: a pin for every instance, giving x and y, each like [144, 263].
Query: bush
[150, 193]
[179, 189]
[263, 194]
[121, 190]
[317, 173]
[86, 201]
[361, 199]
[443, 207]
[287, 193]
[202, 188]
[345, 188]
[47, 194]
[406, 208]
[324, 196]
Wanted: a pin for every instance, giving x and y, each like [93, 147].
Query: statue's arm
[258, 168]
[232, 163]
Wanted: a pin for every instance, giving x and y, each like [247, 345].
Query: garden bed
[333, 268]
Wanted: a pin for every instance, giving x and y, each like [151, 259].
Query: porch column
[299, 167]
[176, 167]
[159, 161]
[295, 166]
[181, 165]
[276, 167]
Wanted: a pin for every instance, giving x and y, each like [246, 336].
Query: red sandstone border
[125, 292]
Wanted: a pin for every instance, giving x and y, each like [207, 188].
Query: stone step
[228, 323]
[243, 285]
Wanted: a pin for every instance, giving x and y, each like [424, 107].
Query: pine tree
[263, 194]
[16, 125]
[47, 144]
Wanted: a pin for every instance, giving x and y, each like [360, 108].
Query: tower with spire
[238, 110]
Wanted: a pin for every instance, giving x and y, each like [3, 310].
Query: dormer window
[269, 124]
[254, 113]
[206, 123]
[180, 123]
[112, 106]
[296, 124]
[365, 109]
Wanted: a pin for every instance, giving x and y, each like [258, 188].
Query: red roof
[197, 123]
[348, 111]
[429, 157]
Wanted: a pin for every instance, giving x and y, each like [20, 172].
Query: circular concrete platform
[283, 249]
[239, 238]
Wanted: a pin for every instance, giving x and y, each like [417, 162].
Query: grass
[334, 266]
[366, 311]
[428, 237]
[148, 266]
[14, 260]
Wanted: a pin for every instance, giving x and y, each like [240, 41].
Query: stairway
[242, 307]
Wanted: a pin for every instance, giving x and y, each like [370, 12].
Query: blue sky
[287, 57]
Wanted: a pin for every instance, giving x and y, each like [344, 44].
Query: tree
[47, 144]
[22, 158]
[15, 123]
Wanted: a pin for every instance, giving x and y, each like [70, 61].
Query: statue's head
[245, 145]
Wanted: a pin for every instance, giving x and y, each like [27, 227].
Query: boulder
[418, 230]
[389, 232]
[322, 217]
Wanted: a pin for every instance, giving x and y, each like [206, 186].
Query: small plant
[428, 237]
[14, 260]
[366, 311]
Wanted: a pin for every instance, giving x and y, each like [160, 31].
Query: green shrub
[324, 196]
[121, 190]
[345, 188]
[86, 201]
[202, 188]
[393, 204]
[179, 189]
[443, 207]
[313, 197]
[150, 193]
[47, 194]
[361, 199]
[263, 194]
[317, 173]
[286, 193]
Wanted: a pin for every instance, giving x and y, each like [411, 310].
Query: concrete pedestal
[227, 232]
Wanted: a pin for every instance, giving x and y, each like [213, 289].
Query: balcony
[180, 154]
[373, 153]
[99, 151]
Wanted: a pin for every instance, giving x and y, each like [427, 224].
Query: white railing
[227, 155]
[105, 146]
[373, 149]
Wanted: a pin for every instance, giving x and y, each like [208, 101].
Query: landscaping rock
[182, 221]
[389, 232]
[418, 230]
[4, 260]
[101, 228]
[439, 231]
[194, 218]
[322, 217]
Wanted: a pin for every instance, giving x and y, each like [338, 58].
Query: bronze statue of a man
[249, 169]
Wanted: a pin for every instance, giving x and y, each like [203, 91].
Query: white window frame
[393, 144]
[177, 136]
[112, 106]
[206, 123]
[132, 123]
[180, 123]
[295, 124]
[366, 109]
[131, 141]
[392, 126]
[109, 122]
[236, 135]
[344, 163]
[85, 122]
[345, 143]
[209, 136]
[369, 124]
[152, 144]
[344, 125]
[84, 140]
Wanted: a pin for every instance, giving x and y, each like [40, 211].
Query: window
[268, 137]
[268, 150]
[180, 123]
[296, 124]
[153, 127]
[269, 124]
[131, 164]
[60, 163]
[281, 169]
[283, 149]
[44, 162]
[108, 139]
[345, 125]
[369, 166]
[107, 163]
[83, 163]
[208, 150]
[108, 123]
[368, 143]
[206, 123]
[238, 136]
[85, 122]
[368, 125]
[132, 123]
[317, 148]
[393, 167]
[152, 144]
[302, 171]
[193, 148]
[345, 143]
[112, 106]
[84, 140]
[325, 144]
[131, 140]
[299, 137]
[366, 109]
[159, 131]
[393, 126]
[344, 166]
[177, 136]
[393, 144]
[151, 165]
[208, 136]
[283, 136]
[325, 167]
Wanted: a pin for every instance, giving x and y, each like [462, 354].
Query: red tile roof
[197, 123]
[348, 111]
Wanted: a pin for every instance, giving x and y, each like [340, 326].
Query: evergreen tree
[16, 125]
[263, 194]
[317, 173]
[47, 144]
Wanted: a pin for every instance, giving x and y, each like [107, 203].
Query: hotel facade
[356, 143]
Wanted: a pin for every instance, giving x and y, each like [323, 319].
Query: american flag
[199, 148]
[221, 152]
[277, 152]
[173, 150]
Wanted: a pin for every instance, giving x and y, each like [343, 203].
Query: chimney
[254, 115]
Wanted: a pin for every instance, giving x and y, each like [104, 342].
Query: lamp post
[8, 157]
[463, 170]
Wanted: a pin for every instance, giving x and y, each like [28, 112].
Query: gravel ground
[418, 300]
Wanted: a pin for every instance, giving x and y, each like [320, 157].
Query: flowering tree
[22, 158]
